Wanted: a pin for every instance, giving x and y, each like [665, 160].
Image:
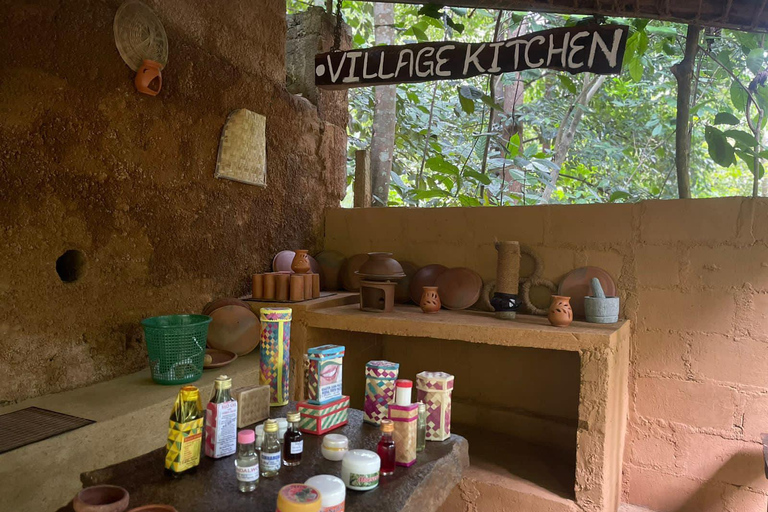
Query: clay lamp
[379, 274]
[101, 498]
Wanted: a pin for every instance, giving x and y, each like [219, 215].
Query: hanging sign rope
[597, 49]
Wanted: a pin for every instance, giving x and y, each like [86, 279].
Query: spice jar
[360, 470]
[335, 447]
[298, 498]
[333, 493]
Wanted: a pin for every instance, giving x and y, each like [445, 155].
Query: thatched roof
[750, 15]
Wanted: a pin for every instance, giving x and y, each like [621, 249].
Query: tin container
[319, 419]
[380, 377]
[434, 389]
[325, 373]
[275, 353]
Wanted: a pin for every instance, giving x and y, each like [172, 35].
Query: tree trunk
[383, 135]
[568, 127]
[683, 72]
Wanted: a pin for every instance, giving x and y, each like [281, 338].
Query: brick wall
[693, 278]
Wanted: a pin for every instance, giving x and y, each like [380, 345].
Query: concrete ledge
[131, 414]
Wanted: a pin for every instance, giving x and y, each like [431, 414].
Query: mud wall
[693, 279]
[87, 164]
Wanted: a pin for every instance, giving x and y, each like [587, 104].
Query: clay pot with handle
[430, 300]
[560, 313]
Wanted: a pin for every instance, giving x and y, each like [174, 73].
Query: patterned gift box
[380, 379]
[405, 435]
[325, 365]
[434, 390]
[320, 419]
[275, 353]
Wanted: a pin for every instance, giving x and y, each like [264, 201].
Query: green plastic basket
[176, 347]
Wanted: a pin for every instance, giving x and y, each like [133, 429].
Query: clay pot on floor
[154, 508]
[430, 300]
[101, 498]
[560, 313]
[300, 263]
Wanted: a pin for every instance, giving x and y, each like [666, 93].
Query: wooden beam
[733, 14]
[362, 190]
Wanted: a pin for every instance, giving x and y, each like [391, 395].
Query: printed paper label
[247, 474]
[297, 447]
[364, 481]
[221, 429]
[271, 461]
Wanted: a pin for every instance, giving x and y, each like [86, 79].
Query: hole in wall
[71, 266]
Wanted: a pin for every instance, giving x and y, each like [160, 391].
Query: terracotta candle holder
[560, 313]
[430, 300]
[297, 287]
[307, 286]
[300, 263]
[282, 286]
[270, 283]
[257, 287]
[315, 286]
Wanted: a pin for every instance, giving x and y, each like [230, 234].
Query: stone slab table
[421, 488]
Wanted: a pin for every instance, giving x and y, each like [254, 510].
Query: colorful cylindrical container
[299, 498]
[275, 353]
[332, 490]
[434, 389]
[325, 365]
[406, 432]
[380, 377]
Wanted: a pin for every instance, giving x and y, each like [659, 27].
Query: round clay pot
[330, 267]
[380, 266]
[459, 287]
[402, 290]
[425, 276]
[560, 313]
[350, 280]
[430, 300]
[284, 259]
[101, 498]
[235, 329]
[154, 508]
[300, 263]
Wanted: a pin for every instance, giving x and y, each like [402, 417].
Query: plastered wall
[693, 278]
[88, 164]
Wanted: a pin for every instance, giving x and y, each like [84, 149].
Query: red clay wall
[693, 277]
[87, 163]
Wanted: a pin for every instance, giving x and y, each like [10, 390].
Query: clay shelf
[515, 466]
[470, 326]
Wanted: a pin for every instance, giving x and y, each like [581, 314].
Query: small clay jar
[300, 263]
[430, 300]
[101, 498]
[560, 313]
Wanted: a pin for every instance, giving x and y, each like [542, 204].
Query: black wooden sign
[597, 49]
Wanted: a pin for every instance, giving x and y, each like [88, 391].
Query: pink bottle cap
[403, 383]
[246, 436]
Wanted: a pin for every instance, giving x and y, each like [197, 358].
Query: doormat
[30, 425]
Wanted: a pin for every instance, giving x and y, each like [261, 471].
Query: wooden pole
[683, 72]
[362, 190]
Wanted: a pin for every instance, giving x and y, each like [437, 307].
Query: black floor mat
[30, 425]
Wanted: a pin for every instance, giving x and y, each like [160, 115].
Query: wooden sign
[597, 49]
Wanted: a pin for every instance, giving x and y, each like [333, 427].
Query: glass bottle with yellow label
[185, 432]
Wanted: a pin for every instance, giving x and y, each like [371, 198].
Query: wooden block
[252, 404]
[362, 190]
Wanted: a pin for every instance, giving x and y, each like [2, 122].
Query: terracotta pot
[300, 263]
[425, 276]
[257, 287]
[101, 498]
[381, 265]
[282, 286]
[430, 300]
[270, 283]
[307, 286]
[560, 313]
[297, 287]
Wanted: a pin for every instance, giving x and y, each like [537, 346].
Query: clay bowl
[425, 276]
[330, 269]
[101, 498]
[350, 281]
[459, 287]
[577, 284]
[282, 262]
[219, 358]
[154, 508]
[235, 329]
[402, 290]
[380, 265]
[226, 301]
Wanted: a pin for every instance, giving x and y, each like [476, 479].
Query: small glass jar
[259, 431]
[247, 462]
[360, 470]
[335, 447]
[386, 448]
[282, 427]
[332, 491]
[293, 441]
[421, 428]
[270, 456]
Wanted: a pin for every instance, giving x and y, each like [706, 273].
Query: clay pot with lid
[101, 498]
[560, 313]
[430, 300]
[300, 263]
[381, 266]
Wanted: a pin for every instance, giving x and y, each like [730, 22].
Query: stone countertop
[421, 488]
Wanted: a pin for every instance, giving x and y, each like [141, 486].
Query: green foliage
[624, 147]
